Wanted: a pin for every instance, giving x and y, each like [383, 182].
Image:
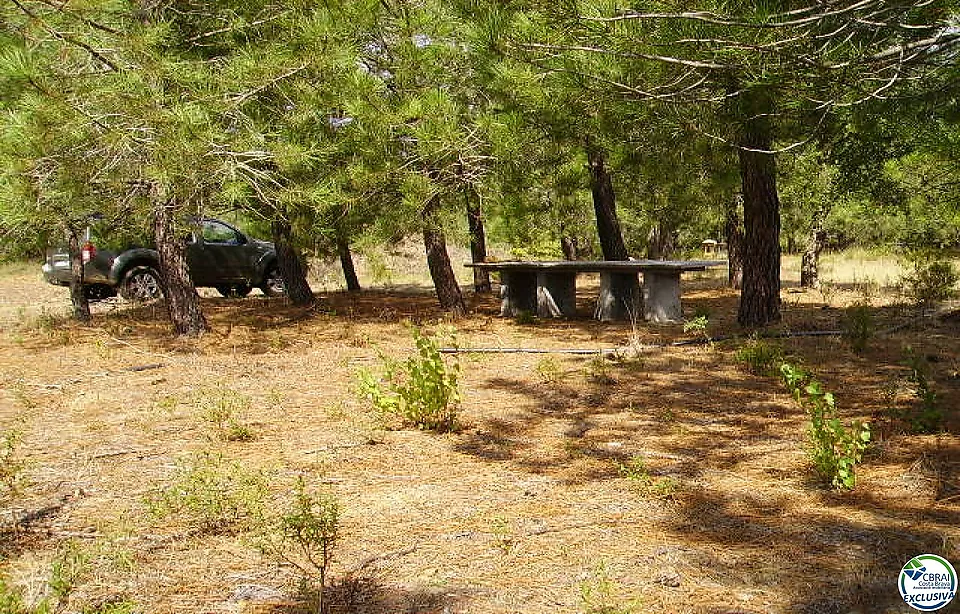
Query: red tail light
[87, 252]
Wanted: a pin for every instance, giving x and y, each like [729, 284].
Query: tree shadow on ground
[604, 419]
[853, 564]
[368, 594]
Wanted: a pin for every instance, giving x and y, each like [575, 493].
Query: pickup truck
[219, 256]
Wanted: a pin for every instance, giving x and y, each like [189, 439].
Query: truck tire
[141, 284]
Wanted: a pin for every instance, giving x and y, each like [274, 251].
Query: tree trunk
[661, 242]
[760, 295]
[478, 244]
[183, 302]
[733, 229]
[346, 263]
[568, 243]
[810, 263]
[290, 263]
[605, 206]
[78, 298]
[444, 279]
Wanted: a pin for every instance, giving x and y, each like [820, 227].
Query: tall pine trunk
[435, 245]
[78, 298]
[760, 295]
[810, 263]
[478, 243]
[183, 302]
[290, 262]
[346, 263]
[733, 229]
[605, 206]
[661, 242]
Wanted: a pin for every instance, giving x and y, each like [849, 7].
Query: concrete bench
[549, 289]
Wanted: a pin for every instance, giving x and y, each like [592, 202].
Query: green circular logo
[928, 582]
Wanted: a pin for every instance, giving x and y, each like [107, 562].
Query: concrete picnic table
[549, 289]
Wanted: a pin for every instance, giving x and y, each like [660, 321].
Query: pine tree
[746, 75]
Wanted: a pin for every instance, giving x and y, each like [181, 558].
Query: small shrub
[635, 470]
[598, 370]
[929, 280]
[224, 410]
[858, 326]
[760, 357]
[835, 449]
[928, 416]
[599, 594]
[12, 601]
[502, 534]
[11, 466]
[305, 536]
[422, 391]
[68, 566]
[73, 563]
[699, 324]
[212, 495]
[548, 370]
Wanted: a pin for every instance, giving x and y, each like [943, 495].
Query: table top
[594, 266]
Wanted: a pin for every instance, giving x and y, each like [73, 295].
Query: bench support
[661, 296]
[619, 297]
[556, 294]
[518, 293]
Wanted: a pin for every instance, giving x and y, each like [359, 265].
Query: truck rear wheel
[273, 282]
[141, 284]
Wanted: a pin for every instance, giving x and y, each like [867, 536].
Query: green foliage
[422, 391]
[599, 594]
[12, 602]
[929, 280]
[502, 534]
[635, 470]
[11, 466]
[224, 410]
[73, 563]
[598, 370]
[927, 416]
[760, 357]
[858, 326]
[68, 566]
[698, 324]
[549, 370]
[835, 449]
[212, 495]
[305, 536]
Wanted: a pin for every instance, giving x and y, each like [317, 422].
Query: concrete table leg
[518, 293]
[619, 297]
[556, 294]
[661, 296]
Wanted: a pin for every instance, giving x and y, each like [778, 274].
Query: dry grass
[520, 511]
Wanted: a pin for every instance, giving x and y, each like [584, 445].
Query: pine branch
[67, 39]
[639, 56]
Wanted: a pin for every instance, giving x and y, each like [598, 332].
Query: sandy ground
[524, 509]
